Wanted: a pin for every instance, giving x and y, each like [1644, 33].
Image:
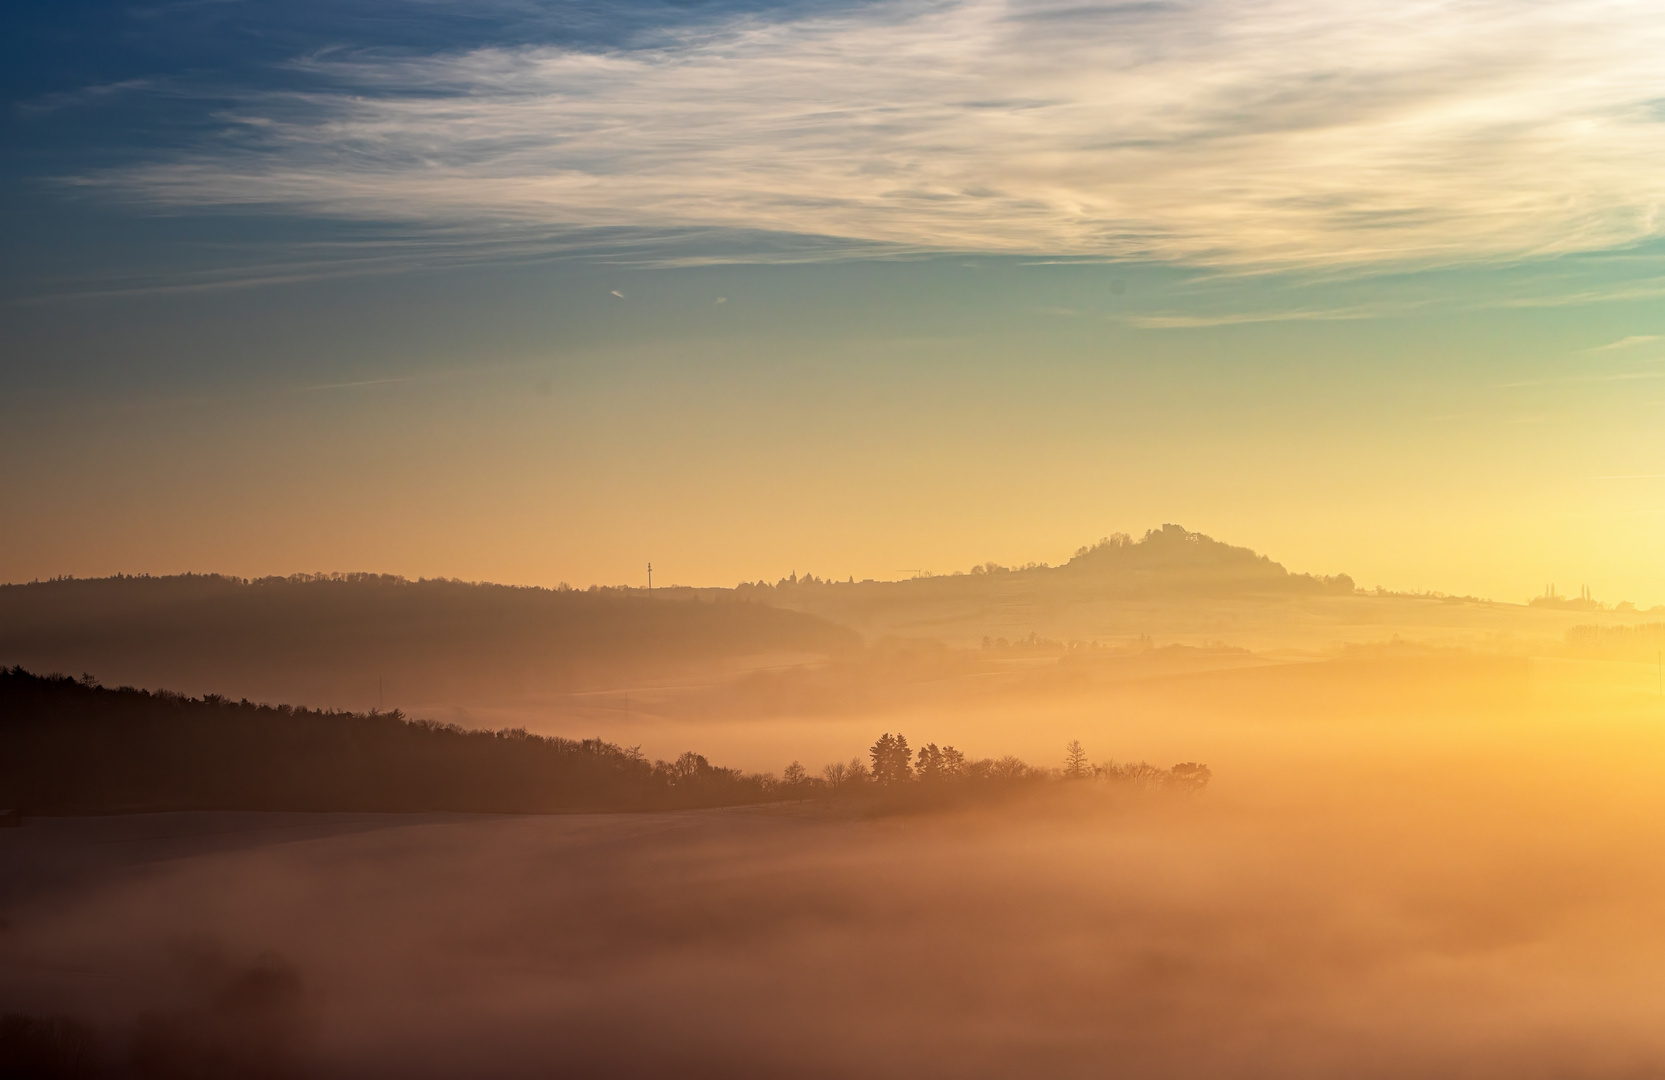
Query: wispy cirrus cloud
[50, 103]
[1630, 342]
[1571, 380]
[1178, 321]
[1227, 132]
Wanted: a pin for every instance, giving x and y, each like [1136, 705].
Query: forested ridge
[70, 746]
[346, 639]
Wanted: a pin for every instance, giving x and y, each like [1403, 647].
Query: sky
[538, 292]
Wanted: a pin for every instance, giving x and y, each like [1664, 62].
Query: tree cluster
[892, 765]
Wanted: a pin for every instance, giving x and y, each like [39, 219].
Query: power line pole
[650, 580]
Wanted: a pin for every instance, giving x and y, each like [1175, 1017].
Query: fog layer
[1392, 877]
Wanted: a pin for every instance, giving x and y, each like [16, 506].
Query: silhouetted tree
[1075, 761]
[891, 759]
[1009, 768]
[944, 764]
[686, 767]
[1189, 776]
[841, 775]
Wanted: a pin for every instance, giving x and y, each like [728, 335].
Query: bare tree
[687, 767]
[840, 775]
[1075, 761]
[1187, 776]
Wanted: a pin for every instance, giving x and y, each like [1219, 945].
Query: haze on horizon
[1426, 847]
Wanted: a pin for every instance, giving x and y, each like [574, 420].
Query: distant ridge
[373, 640]
[350, 639]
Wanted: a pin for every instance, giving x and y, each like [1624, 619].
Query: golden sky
[745, 289]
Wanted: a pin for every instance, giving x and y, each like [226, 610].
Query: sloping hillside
[69, 747]
[359, 640]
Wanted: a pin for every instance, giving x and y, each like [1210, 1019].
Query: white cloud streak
[1186, 322]
[1626, 343]
[1222, 132]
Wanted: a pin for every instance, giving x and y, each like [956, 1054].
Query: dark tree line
[70, 746]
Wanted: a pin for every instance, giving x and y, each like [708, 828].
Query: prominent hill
[1172, 561]
[1107, 590]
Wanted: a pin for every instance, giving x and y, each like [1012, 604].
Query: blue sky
[535, 292]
